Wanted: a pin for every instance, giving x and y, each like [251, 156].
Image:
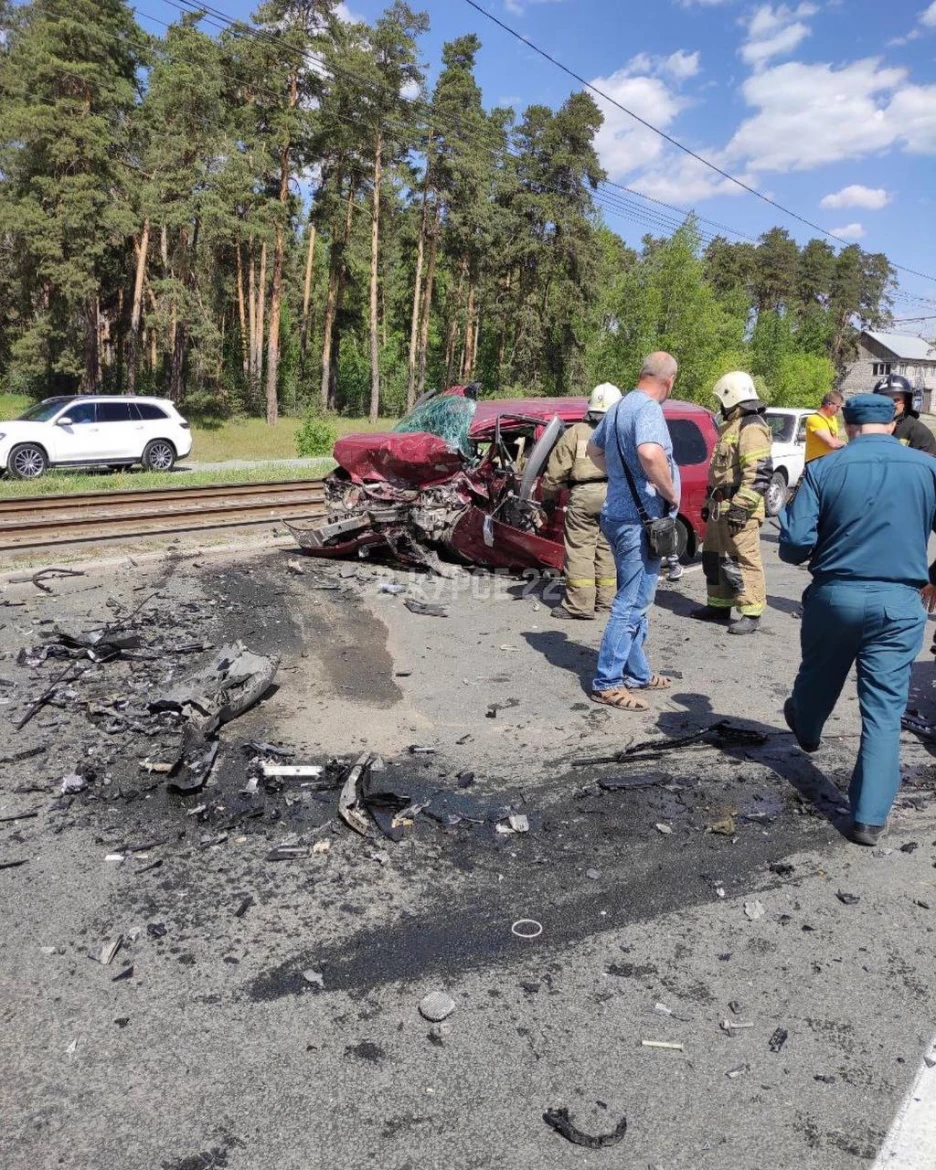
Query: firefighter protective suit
[591, 580]
[739, 472]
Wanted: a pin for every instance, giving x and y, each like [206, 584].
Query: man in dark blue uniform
[862, 518]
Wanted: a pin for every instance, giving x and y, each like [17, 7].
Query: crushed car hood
[416, 458]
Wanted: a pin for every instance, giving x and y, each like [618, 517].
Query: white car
[94, 430]
[788, 426]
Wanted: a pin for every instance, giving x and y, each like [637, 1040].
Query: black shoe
[565, 615]
[865, 834]
[710, 613]
[745, 625]
[789, 716]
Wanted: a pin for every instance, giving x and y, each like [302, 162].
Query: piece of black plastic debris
[268, 749]
[847, 899]
[13, 864]
[465, 779]
[736, 1007]
[919, 902]
[618, 783]
[417, 749]
[22, 816]
[782, 868]
[414, 605]
[384, 805]
[191, 770]
[909, 847]
[531, 986]
[287, 853]
[122, 1021]
[156, 929]
[561, 1122]
[126, 973]
[152, 865]
[778, 1039]
[824, 1078]
[245, 905]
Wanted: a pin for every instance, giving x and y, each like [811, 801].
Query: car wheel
[777, 493]
[27, 461]
[159, 455]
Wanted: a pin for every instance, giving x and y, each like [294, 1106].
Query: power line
[670, 139]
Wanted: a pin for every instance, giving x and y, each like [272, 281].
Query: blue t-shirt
[638, 419]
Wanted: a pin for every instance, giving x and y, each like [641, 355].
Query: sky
[826, 106]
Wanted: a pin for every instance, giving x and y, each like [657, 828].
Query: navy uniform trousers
[879, 627]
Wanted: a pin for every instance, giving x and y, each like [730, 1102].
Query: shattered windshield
[447, 417]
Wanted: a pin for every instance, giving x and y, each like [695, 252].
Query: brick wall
[859, 376]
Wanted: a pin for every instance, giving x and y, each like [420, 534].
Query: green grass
[75, 482]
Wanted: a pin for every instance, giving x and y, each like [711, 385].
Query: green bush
[316, 436]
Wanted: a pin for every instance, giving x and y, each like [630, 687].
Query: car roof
[488, 410]
[105, 398]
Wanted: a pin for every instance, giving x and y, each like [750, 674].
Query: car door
[119, 430]
[74, 437]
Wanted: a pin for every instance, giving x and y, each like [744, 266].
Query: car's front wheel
[777, 493]
[27, 461]
[159, 455]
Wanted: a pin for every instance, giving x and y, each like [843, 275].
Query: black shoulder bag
[663, 535]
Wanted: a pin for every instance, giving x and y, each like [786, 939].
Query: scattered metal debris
[778, 1039]
[722, 734]
[560, 1120]
[38, 579]
[754, 910]
[669, 1045]
[427, 609]
[220, 691]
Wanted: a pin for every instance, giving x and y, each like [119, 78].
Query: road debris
[308, 771]
[560, 1120]
[73, 783]
[847, 899]
[105, 956]
[738, 1071]
[668, 1045]
[666, 830]
[220, 691]
[191, 770]
[593, 874]
[778, 1039]
[527, 928]
[427, 609]
[754, 910]
[732, 1026]
[126, 973]
[621, 783]
[436, 1006]
[287, 853]
[39, 579]
[722, 734]
[316, 978]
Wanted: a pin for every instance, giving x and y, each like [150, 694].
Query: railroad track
[49, 521]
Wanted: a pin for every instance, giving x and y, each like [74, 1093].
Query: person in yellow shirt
[822, 428]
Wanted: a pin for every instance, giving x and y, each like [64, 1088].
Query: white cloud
[624, 145]
[772, 32]
[809, 115]
[873, 198]
[928, 16]
[679, 66]
[681, 179]
[517, 7]
[913, 115]
[701, 3]
[851, 231]
[682, 65]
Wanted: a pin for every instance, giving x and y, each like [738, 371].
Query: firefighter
[909, 430]
[591, 579]
[739, 473]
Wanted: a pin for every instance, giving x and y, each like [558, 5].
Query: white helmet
[734, 388]
[603, 397]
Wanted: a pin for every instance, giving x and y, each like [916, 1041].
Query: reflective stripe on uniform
[607, 581]
[580, 582]
[720, 602]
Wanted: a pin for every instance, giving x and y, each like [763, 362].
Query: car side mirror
[64, 421]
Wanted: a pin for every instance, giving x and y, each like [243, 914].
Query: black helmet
[894, 384]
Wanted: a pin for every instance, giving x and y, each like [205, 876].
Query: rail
[38, 522]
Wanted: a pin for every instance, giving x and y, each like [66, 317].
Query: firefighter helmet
[734, 388]
[603, 397]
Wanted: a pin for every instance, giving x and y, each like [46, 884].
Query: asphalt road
[709, 895]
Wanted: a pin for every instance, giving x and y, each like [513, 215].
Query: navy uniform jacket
[864, 513]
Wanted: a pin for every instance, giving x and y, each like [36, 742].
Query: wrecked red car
[463, 478]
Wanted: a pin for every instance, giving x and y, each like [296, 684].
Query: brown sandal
[621, 699]
[658, 682]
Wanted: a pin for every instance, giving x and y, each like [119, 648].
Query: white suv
[92, 431]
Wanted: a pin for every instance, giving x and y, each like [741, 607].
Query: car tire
[159, 455]
[777, 494]
[27, 461]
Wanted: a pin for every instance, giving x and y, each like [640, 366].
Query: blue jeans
[621, 659]
[880, 627]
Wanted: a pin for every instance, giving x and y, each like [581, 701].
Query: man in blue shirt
[862, 517]
[635, 430]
